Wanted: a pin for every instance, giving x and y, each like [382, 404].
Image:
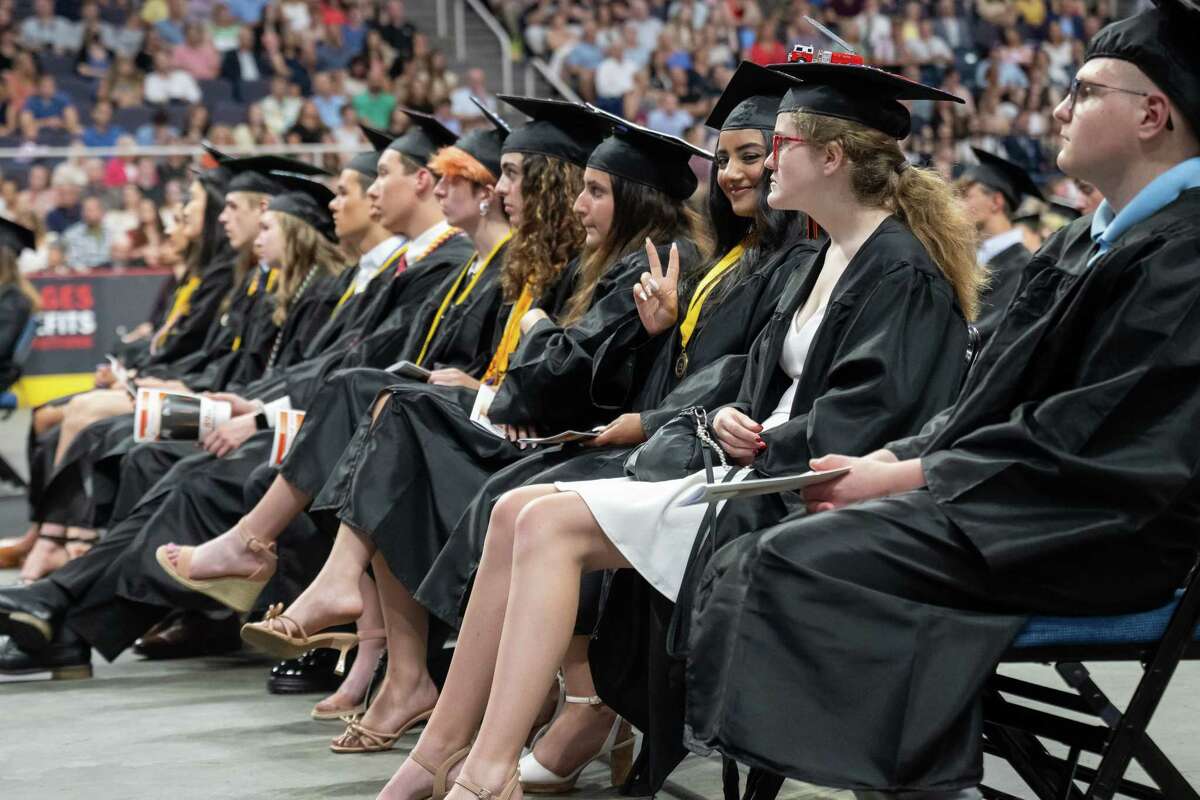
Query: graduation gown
[717, 355]
[188, 333]
[1006, 269]
[15, 311]
[889, 354]
[408, 476]
[1062, 481]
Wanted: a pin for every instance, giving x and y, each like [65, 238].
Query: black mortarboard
[378, 139]
[216, 154]
[866, 95]
[251, 174]
[1003, 176]
[424, 137]
[306, 200]
[16, 237]
[1161, 42]
[484, 144]
[648, 157]
[568, 131]
[750, 100]
[365, 164]
[217, 177]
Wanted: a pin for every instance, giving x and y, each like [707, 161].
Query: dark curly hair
[549, 235]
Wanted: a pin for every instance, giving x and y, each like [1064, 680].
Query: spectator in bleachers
[125, 40]
[121, 169]
[8, 111]
[308, 128]
[124, 218]
[668, 117]
[614, 79]
[280, 107]
[38, 196]
[50, 108]
[248, 11]
[166, 84]
[336, 49]
[327, 100]
[198, 124]
[146, 237]
[124, 83]
[46, 30]
[374, 106]
[88, 241]
[224, 29]
[172, 27]
[254, 130]
[102, 132]
[466, 113]
[396, 30]
[244, 63]
[94, 60]
[67, 209]
[196, 55]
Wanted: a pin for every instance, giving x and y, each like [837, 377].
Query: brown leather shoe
[188, 634]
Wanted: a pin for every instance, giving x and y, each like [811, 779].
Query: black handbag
[676, 450]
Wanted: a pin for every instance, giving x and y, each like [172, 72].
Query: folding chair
[1012, 730]
[9, 400]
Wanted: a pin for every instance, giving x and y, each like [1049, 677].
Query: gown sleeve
[900, 362]
[189, 333]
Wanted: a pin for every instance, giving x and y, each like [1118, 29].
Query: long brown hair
[10, 275]
[639, 213]
[550, 234]
[303, 249]
[919, 197]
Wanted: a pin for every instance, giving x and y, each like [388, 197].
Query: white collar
[419, 247]
[373, 259]
[995, 245]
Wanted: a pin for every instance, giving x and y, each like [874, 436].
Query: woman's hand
[623, 431]
[515, 432]
[238, 404]
[738, 435]
[229, 435]
[450, 376]
[876, 475]
[656, 295]
[532, 317]
[104, 377]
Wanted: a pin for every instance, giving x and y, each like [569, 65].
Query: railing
[493, 25]
[536, 66]
[34, 153]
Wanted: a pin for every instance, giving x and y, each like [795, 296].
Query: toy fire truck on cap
[810, 55]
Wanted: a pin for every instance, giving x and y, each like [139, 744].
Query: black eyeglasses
[1086, 88]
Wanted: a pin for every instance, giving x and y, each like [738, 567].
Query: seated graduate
[713, 315]
[1063, 481]
[992, 191]
[19, 300]
[295, 237]
[868, 343]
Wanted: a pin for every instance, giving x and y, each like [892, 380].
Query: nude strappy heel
[352, 714]
[439, 771]
[371, 741]
[487, 794]
[239, 593]
[618, 746]
[281, 636]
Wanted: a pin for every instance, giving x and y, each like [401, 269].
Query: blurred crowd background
[116, 75]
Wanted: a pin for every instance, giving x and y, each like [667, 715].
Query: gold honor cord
[508, 342]
[272, 275]
[457, 299]
[179, 307]
[703, 290]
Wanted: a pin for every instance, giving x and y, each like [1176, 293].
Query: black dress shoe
[66, 658]
[311, 672]
[29, 614]
[188, 634]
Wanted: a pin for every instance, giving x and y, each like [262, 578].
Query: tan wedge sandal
[440, 771]
[358, 738]
[281, 636]
[239, 593]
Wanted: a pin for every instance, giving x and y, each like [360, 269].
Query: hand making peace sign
[657, 293]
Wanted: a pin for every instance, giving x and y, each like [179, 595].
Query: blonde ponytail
[879, 175]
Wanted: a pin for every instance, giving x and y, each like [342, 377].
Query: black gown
[889, 354]
[1063, 481]
[717, 356]
[188, 333]
[15, 311]
[1006, 269]
[407, 477]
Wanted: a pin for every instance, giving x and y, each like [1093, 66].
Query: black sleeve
[188, 334]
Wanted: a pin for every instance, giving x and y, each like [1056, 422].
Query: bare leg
[557, 541]
[15, 549]
[46, 418]
[407, 690]
[48, 554]
[579, 731]
[464, 695]
[354, 688]
[82, 540]
[334, 597]
[85, 409]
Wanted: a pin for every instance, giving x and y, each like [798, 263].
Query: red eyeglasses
[777, 139]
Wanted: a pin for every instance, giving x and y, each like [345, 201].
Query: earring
[484, 207]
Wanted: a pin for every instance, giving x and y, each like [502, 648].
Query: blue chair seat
[8, 401]
[1141, 628]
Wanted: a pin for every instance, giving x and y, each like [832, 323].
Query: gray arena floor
[205, 729]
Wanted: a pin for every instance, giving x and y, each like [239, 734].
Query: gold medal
[681, 365]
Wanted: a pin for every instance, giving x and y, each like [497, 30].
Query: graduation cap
[1161, 42]
[866, 95]
[648, 157]
[214, 153]
[306, 200]
[484, 144]
[1003, 176]
[16, 237]
[424, 137]
[568, 131]
[379, 139]
[750, 100]
[252, 174]
[366, 164]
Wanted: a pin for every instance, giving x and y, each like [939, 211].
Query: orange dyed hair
[453, 162]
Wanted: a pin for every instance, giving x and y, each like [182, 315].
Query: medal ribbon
[704, 289]
[452, 296]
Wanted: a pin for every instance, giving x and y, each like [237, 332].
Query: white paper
[272, 409]
[287, 425]
[407, 369]
[483, 400]
[164, 415]
[716, 492]
[563, 437]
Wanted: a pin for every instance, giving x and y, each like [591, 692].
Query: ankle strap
[487, 794]
[439, 771]
[373, 633]
[593, 700]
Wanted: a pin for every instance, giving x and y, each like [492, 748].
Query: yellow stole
[509, 341]
[454, 297]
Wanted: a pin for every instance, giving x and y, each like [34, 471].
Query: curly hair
[303, 247]
[549, 235]
[919, 197]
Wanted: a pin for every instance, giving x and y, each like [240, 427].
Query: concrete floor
[205, 729]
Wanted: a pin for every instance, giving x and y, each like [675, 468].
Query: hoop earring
[484, 207]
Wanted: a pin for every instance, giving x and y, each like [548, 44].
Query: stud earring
[484, 207]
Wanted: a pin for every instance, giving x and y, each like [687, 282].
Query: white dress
[643, 518]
